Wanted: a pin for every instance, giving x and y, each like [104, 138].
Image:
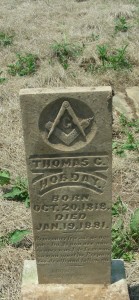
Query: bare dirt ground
[36, 25]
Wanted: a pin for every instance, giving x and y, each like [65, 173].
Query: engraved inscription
[99, 162]
[70, 127]
[71, 250]
[88, 171]
[71, 225]
[70, 207]
[62, 125]
[71, 212]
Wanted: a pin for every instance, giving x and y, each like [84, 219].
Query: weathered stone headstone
[67, 135]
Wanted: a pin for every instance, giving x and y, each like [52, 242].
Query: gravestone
[67, 134]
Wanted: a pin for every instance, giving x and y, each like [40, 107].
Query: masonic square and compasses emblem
[69, 124]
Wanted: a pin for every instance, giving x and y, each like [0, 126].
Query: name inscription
[87, 171]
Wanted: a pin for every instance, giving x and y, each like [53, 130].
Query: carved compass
[67, 124]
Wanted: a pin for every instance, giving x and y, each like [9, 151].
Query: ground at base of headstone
[31, 290]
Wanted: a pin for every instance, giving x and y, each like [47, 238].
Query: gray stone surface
[133, 94]
[31, 290]
[121, 106]
[117, 270]
[67, 135]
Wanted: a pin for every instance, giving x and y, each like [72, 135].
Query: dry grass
[36, 25]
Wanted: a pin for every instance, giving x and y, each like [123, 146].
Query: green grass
[134, 123]
[65, 52]
[130, 144]
[115, 59]
[121, 25]
[109, 58]
[2, 79]
[125, 237]
[4, 177]
[25, 65]
[102, 53]
[17, 190]
[5, 39]
[128, 141]
[13, 238]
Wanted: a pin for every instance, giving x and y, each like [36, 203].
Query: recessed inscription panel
[75, 218]
[69, 167]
